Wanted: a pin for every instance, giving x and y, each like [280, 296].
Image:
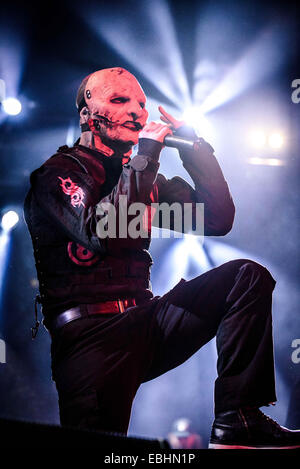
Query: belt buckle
[121, 306]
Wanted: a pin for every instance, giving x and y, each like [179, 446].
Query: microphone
[180, 143]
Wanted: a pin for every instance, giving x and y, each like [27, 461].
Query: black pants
[99, 362]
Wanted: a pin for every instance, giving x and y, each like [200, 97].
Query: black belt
[84, 310]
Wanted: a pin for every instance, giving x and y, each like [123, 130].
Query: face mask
[116, 105]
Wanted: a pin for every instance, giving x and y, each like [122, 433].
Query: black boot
[250, 428]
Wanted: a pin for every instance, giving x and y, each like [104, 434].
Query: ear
[84, 115]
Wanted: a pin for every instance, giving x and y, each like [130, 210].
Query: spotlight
[258, 139]
[196, 119]
[182, 425]
[9, 220]
[11, 106]
[191, 116]
[276, 140]
[266, 161]
[34, 283]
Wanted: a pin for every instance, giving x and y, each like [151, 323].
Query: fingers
[169, 119]
[156, 128]
[166, 117]
[155, 131]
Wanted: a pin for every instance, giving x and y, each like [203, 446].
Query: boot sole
[222, 446]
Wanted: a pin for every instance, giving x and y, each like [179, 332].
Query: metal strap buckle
[121, 306]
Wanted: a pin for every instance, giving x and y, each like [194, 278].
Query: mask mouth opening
[132, 125]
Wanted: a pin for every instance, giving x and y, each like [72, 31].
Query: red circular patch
[80, 255]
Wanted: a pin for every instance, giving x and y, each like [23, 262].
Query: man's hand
[155, 131]
[173, 123]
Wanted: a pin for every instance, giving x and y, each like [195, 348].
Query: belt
[84, 310]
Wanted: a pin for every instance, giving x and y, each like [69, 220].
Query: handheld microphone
[180, 143]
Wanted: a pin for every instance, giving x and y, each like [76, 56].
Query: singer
[109, 332]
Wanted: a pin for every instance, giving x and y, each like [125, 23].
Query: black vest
[68, 273]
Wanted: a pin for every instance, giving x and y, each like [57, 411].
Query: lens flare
[276, 140]
[258, 138]
[12, 106]
[195, 118]
[9, 220]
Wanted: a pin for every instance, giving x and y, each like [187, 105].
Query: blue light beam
[265, 57]
[147, 40]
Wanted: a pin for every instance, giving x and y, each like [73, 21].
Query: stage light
[9, 220]
[266, 161]
[34, 283]
[194, 117]
[164, 66]
[262, 59]
[71, 132]
[182, 425]
[258, 138]
[12, 106]
[276, 140]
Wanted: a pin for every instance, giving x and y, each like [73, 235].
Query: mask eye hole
[142, 105]
[119, 100]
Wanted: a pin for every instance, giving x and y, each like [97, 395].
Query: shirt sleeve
[210, 189]
[68, 196]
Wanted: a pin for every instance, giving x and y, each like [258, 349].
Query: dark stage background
[228, 67]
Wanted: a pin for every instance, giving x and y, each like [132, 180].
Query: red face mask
[116, 104]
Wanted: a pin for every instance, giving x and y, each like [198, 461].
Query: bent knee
[258, 270]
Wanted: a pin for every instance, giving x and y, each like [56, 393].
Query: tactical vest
[68, 273]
